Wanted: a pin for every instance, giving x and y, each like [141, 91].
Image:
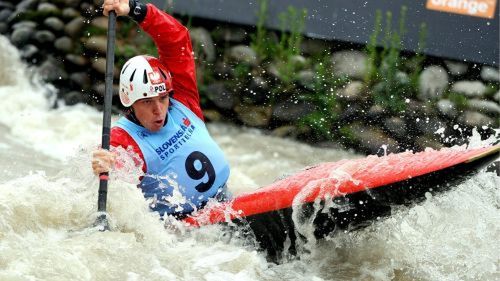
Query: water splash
[45, 220]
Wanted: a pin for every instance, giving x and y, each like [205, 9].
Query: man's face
[151, 112]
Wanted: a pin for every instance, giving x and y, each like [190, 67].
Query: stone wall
[319, 93]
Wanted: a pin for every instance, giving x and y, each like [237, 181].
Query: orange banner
[475, 8]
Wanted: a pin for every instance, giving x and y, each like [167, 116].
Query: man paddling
[166, 130]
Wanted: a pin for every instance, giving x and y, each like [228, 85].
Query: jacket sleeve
[176, 53]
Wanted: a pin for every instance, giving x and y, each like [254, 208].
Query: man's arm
[105, 160]
[173, 43]
[175, 51]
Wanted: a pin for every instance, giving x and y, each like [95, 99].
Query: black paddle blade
[102, 222]
[102, 218]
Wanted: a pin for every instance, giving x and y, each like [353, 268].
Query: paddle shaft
[106, 121]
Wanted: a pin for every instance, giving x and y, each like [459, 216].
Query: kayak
[335, 196]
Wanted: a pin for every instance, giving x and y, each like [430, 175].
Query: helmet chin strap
[130, 115]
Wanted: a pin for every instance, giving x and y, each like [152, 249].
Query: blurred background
[350, 74]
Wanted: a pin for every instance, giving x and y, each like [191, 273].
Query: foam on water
[25, 111]
[47, 210]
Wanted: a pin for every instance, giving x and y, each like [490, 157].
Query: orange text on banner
[476, 8]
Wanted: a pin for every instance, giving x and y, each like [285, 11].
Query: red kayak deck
[342, 195]
[334, 179]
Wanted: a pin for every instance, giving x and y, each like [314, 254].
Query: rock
[222, 69]
[20, 36]
[402, 78]
[292, 110]
[6, 5]
[373, 140]
[375, 113]
[51, 70]
[14, 17]
[87, 9]
[48, 8]
[273, 71]
[471, 89]
[54, 23]
[201, 39]
[447, 108]
[432, 82]
[488, 107]
[81, 79]
[243, 54]
[100, 22]
[4, 28]
[332, 145]
[285, 131]
[74, 97]
[350, 63]
[305, 78]
[231, 34]
[430, 126]
[415, 109]
[97, 43]
[100, 89]
[70, 13]
[353, 91]
[423, 142]
[220, 96]
[456, 68]
[141, 39]
[490, 74]
[396, 127]
[212, 115]
[72, 3]
[29, 51]
[99, 65]
[44, 36]
[26, 5]
[258, 91]
[279, 71]
[475, 119]
[352, 112]
[64, 44]
[314, 46]
[25, 24]
[75, 27]
[255, 116]
[5, 14]
[76, 60]
[497, 96]
[298, 61]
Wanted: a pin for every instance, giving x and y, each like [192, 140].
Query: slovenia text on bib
[185, 167]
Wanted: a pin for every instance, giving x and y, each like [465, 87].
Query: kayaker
[163, 122]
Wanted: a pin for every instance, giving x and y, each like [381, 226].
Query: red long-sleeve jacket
[176, 53]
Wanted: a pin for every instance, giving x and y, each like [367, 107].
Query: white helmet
[143, 77]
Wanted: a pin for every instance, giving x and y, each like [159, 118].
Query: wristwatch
[137, 11]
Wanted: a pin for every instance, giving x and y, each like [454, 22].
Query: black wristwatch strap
[138, 10]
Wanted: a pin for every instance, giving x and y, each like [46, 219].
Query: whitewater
[48, 202]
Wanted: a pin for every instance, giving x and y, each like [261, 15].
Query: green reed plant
[418, 59]
[323, 97]
[289, 43]
[389, 88]
[372, 52]
[259, 41]
[459, 100]
[292, 23]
